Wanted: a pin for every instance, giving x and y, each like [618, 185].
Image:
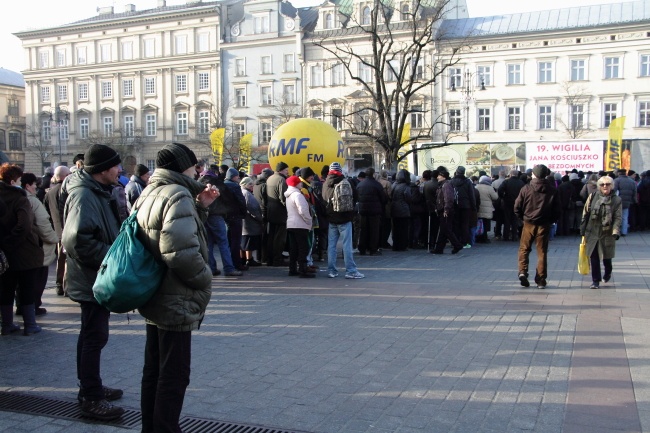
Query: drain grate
[200, 425]
[35, 405]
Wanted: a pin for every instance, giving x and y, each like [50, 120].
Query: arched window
[365, 15]
[405, 12]
[329, 21]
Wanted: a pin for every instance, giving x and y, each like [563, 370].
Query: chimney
[107, 10]
[162, 3]
[129, 8]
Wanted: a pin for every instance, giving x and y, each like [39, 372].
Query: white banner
[565, 156]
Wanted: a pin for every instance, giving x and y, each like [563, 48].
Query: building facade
[12, 116]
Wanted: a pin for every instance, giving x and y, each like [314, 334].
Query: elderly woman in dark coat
[602, 227]
[400, 210]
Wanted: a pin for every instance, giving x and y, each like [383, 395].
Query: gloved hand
[617, 237]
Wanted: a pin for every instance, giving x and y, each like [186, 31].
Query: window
[266, 64]
[261, 24]
[417, 117]
[3, 143]
[484, 119]
[62, 90]
[127, 50]
[84, 127]
[129, 125]
[455, 120]
[365, 15]
[578, 70]
[514, 118]
[266, 95]
[418, 65]
[338, 75]
[203, 42]
[204, 81]
[239, 131]
[545, 117]
[514, 74]
[316, 75]
[289, 93]
[240, 67]
[60, 57]
[107, 89]
[455, 78]
[81, 55]
[105, 52]
[390, 69]
[577, 116]
[13, 107]
[265, 132]
[329, 20]
[150, 86]
[644, 63]
[609, 114]
[107, 122]
[46, 131]
[363, 120]
[545, 72]
[14, 140]
[181, 83]
[149, 47]
[63, 130]
[204, 122]
[181, 123]
[612, 67]
[82, 91]
[405, 12]
[180, 44]
[45, 93]
[151, 164]
[316, 113]
[484, 75]
[127, 88]
[644, 114]
[365, 72]
[240, 97]
[289, 64]
[337, 118]
[150, 125]
[44, 60]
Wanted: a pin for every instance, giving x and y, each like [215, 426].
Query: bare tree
[125, 142]
[395, 79]
[39, 143]
[576, 120]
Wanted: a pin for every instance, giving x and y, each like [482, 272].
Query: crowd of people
[278, 218]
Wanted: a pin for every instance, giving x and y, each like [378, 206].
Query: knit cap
[541, 171]
[232, 172]
[100, 157]
[246, 181]
[293, 181]
[141, 170]
[281, 166]
[335, 166]
[175, 157]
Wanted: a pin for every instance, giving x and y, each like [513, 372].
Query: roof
[11, 78]
[546, 20]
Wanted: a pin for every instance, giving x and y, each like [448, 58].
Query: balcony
[16, 120]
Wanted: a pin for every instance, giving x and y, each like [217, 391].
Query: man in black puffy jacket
[371, 198]
[508, 192]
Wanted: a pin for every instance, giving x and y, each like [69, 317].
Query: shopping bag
[583, 260]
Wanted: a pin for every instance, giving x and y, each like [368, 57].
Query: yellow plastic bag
[583, 260]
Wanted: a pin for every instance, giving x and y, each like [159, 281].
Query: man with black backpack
[339, 195]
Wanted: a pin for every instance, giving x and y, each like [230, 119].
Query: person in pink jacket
[299, 223]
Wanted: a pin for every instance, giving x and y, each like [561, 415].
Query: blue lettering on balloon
[290, 147]
[339, 152]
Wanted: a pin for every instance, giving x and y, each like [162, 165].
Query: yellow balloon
[306, 143]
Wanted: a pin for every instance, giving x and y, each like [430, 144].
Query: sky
[38, 14]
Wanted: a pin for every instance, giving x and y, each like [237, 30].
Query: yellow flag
[406, 135]
[216, 142]
[614, 148]
[245, 147]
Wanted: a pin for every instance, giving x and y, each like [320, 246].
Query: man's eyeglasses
[605, 184]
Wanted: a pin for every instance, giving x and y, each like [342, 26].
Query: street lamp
[467, 94]
[61, 117]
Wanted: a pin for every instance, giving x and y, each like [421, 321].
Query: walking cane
[429, 234]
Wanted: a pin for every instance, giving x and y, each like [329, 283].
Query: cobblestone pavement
[424, 343]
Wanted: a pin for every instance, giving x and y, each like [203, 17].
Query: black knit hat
[281, 166]
[175, 157]
[141, 170]
[99, 157]
[305, 172]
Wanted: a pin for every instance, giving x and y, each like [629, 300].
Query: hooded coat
[298, 210]
[172, 229]
[538, 203]
[401, 195]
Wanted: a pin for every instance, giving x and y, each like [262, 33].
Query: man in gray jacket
[625, 187]
[92, 223]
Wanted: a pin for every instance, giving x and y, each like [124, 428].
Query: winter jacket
[488, 197]
[626, 189]
[133, 189]
[465, 189]
[430, 191]
[595, 232]
[298, 209]
[92, 222]
[122, 202]
[328, 190]
[44, 230]
[575, 195]
[588, 188]
[644, 191]
[51, 202]
[239, 210]
[401, 195]
[172, 228]
[372, 197]
[387, 189]
[18, 237]
[509, 191]
[223, 204]
[259, 191]
[565, 192]
[538, 203]
[445, 198]
[253, 222]
[276, 211]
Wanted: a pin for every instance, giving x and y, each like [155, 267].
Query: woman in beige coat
[486, 209]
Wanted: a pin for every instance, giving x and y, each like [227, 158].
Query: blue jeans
[217, 233]
[624, 219]
[345, 232]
